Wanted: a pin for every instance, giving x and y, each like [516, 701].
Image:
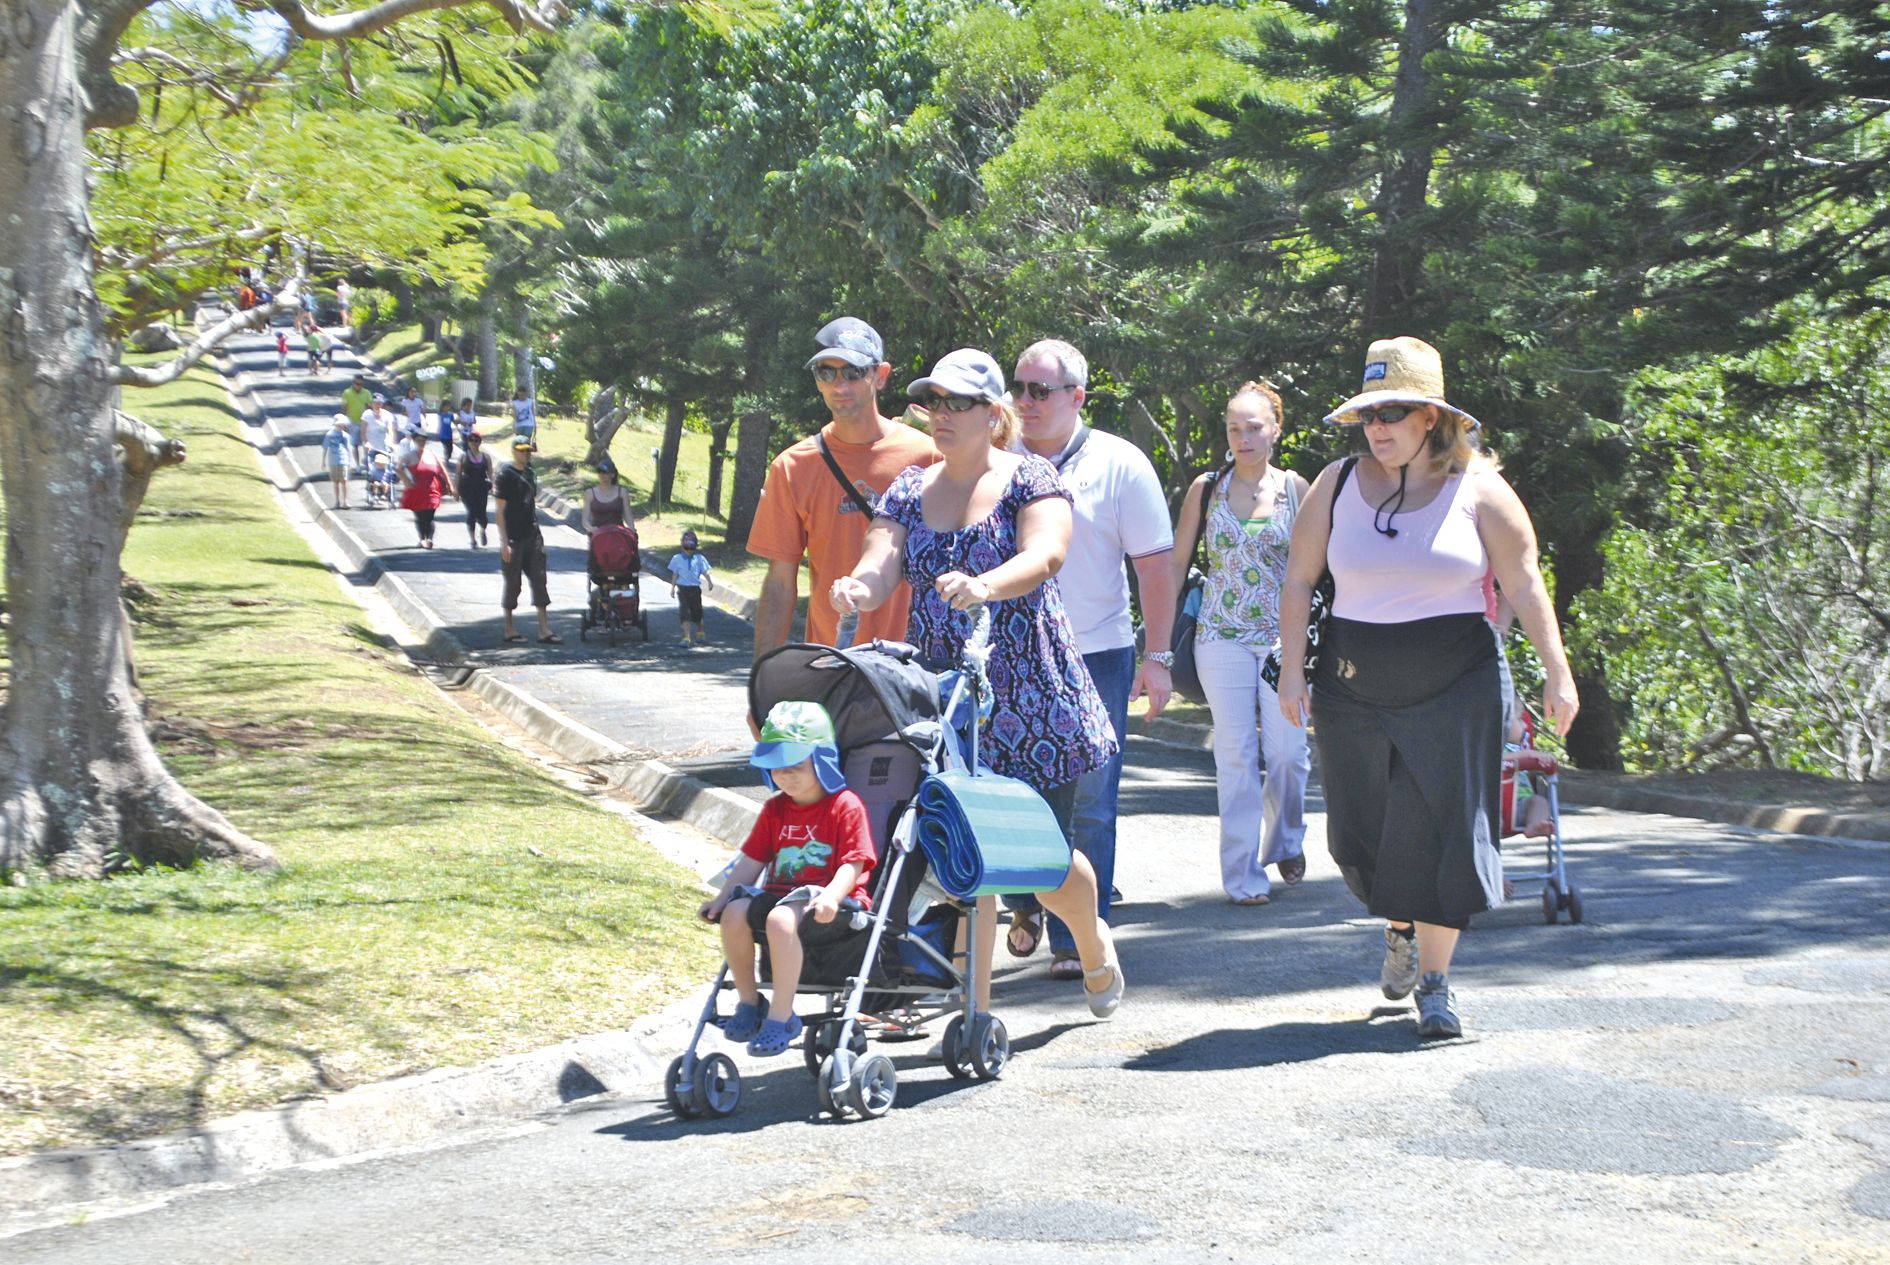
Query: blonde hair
[1265, 390]
[1455, 446]
[1004, 425]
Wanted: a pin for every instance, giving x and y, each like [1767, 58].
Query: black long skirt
[1409, 720]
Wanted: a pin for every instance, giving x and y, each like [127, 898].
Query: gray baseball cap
[850, 339]
[966, 371]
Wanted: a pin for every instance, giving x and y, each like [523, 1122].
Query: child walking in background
[688, 576]
[338, 447]
[282, 351]
[811, 848]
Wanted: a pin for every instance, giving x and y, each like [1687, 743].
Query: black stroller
[900, 966]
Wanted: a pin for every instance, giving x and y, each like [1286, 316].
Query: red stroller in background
[1529, 776]
[616, 567]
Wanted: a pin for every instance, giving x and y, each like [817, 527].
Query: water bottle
[849, 628]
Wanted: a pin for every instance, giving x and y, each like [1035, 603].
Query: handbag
[1183, 673]
[1320, 609]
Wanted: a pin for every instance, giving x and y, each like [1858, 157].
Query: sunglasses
[950, 403]
[1040, 391]
[852, 373]
[1390, 414]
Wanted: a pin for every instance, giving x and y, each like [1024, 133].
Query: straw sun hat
[1400, 371]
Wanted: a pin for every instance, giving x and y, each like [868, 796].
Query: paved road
[1700, 1072]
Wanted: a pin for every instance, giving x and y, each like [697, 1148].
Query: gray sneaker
[1399, 975]
[1437, 1009]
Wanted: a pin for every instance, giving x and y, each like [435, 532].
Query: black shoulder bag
[1184, 674]
[1322, 594]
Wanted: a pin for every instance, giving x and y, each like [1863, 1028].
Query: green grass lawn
[441, 901]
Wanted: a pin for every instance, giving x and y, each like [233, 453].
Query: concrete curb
[1595, 789]
[378, 1117]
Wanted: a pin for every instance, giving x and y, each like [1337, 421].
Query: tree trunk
[488, 347]
[83, 789]
[751, 469]
[675, 410]
[524, 367]
[1398, 265]
[719, 427]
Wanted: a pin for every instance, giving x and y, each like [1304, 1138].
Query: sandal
[551, 639]
[775, 1036]
[517, 636]
[1293, 869]
[1030, 922]
[1250, 900]
[744, 1023]
[1066, 965]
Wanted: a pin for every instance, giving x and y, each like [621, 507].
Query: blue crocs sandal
[775, 1036]
[744, 1023]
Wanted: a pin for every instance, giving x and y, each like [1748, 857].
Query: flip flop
[515, 636]
[1030, 922]
[1293, 869]
[1066, 966]
[549, 639]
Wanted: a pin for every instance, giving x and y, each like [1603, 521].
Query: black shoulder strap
[840, 476]
[1067, 455]
[1345, 472]
[1200, 529]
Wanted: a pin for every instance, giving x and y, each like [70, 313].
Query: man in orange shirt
[806, 508]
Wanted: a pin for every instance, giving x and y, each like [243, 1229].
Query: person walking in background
[338, 450]
[991, 526]
[820, 493]
[312, 342]
[445, 428]
[1120, 512]
[426, 484]
[1407, 695]
[521, 543]
[475, 485]
[354, 402]
[377, 428]
[524, 415]
[415, 408]
[344, 300]
[465, 419]
[688, 577]
[282, 351]
[1248, 507]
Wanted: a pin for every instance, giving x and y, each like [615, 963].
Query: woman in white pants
[1249, 525]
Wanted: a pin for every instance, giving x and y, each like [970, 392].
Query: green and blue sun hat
[794, 731]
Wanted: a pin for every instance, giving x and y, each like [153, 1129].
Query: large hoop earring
[1228, 455]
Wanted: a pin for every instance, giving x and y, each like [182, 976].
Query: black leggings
[423, 519]
[475, 502]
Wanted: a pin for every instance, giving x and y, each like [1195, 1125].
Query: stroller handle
[972, 660]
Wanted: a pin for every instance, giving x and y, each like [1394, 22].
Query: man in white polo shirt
[1120, 512]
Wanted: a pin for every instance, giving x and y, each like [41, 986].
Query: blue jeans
[1091, 823]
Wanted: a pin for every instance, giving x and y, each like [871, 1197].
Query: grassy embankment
[441, 901]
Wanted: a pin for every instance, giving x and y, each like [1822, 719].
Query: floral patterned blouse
[1246, 567]
[1048, 724]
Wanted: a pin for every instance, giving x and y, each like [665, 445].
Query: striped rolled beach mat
[989, 836]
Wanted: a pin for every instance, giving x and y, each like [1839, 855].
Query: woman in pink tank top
[1407, 694]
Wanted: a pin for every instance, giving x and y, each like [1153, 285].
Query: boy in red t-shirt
[815, 849]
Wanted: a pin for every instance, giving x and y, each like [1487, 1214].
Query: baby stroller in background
[616, 567]
[383, 482]
[1529, 773]
[901, 966]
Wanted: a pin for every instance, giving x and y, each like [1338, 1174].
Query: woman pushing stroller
[988, 526]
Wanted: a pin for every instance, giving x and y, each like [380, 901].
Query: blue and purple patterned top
[1048, 724]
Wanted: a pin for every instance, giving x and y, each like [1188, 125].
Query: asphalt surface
[1698, 1072]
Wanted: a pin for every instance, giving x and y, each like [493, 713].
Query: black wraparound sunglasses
[950, 403]
[852, 373]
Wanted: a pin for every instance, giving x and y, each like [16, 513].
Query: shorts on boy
[337, 472]
[689, 603]
[813, 932]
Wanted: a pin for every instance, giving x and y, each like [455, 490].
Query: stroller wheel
[1549, 903]
[990, 1047]
[957, 1058]
[832, 1081]
[873, 1086]
[1574, 903]
[717, 1085]
[678, 1092]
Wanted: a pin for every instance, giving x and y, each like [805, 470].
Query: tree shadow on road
[1228, 1049]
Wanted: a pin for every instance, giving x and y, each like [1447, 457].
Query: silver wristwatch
[1164, 658]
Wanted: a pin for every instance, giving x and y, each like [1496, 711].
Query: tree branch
[285, 304]
[540, 15]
